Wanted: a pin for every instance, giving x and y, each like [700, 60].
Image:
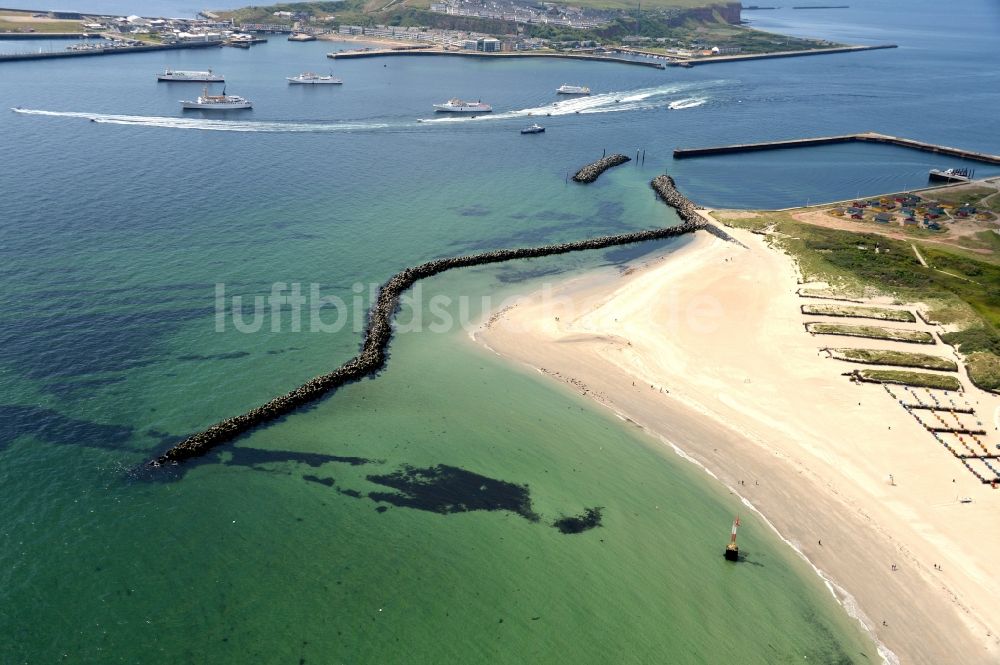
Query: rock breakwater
[666, 189]
[591, 172]
[378, 332]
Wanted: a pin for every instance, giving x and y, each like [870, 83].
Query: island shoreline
[797, 497]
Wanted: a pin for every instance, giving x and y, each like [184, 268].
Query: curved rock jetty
[591, 172]
[687, 211]
[378, 332]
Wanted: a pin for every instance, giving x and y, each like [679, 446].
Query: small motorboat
[533, 129]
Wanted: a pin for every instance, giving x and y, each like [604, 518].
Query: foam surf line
[209, 125]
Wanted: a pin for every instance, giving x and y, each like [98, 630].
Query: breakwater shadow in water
[52, 427]
[255, 459]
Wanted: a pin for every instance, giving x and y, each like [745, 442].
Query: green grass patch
[916, 379]
[959, 195]
[973, 339]
[849, 263]
[856, 263]
[853, 311]
[872, 332]
[984, 370]
[989, 240]
[980, 345]
[895, 358]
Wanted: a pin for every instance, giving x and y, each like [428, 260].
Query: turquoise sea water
[406, 518]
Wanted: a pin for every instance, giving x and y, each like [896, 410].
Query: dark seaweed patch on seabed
[447, 489]
[329, 482]
[590, 519]
[475, 210]
[49, 347]
[53, 427]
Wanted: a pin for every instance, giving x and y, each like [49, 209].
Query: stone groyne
[593, 171]
[378, 332]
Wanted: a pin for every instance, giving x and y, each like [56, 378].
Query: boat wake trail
[211, 125]
[643, 99]
[688, 103]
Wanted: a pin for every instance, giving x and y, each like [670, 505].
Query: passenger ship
[308, 78]
[207, 76]
[221, 102]
[458, 106]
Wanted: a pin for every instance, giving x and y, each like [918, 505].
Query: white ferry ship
[458, 106]
[308, 78]
[221, 102]
[207, 76]
[567, 89]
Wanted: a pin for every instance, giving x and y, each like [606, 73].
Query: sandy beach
[704, 349]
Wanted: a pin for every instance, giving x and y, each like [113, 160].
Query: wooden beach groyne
[378, 332]
[418, 50]
[593, 171]
[46, 55]
[864, 137]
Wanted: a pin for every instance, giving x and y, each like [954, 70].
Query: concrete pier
[49, 35]
[690, 62]
[864, 137]
[12, 57]
[378, 333]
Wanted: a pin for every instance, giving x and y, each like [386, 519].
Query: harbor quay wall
[865, 137]
[690, 62]
[592, 171]
[9, 57]
[49, 35]
[422, 50]
[378, 331]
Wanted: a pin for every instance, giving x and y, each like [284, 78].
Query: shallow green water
[264, 553]
[113, 238]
